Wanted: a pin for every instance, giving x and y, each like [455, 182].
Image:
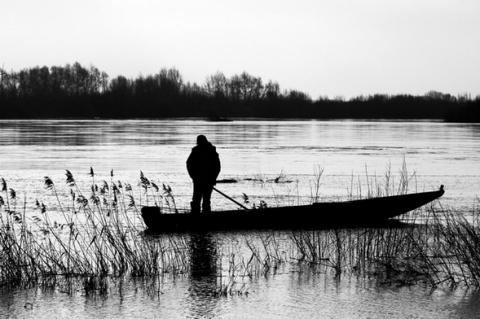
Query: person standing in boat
[203, 166]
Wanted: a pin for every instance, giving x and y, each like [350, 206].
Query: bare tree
[216, 85]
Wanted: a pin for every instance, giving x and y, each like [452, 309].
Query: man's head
[201, 140]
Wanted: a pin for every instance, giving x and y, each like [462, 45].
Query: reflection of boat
[318, 215]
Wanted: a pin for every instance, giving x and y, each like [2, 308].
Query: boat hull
[318, 215]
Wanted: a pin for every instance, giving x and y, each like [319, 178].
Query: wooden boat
[318, 215]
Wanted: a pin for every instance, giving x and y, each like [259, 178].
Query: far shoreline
[232, 119]
[76, 92]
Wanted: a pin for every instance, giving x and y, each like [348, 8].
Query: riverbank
[77, 92]
[125, 107]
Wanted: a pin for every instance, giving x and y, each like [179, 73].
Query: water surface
[353, 154]
[349, 151]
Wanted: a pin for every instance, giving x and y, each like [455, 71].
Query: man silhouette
[203, 166]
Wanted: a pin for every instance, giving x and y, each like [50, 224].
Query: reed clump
[89, 239]
[386, 185]
[440, 249]
[96, 236]
[433, 245]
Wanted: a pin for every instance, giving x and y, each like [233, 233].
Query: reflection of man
[203, 276]
[203, 166]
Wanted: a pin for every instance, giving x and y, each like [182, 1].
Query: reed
[97, 237]
[386, 185]
[90, 238]
[437, 247]
[433, 245]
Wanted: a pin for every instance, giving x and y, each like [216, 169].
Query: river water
[354, 156]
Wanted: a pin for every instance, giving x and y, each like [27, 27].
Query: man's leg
[207, 194]
[197, 197]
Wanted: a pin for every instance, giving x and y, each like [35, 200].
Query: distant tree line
[76, 91]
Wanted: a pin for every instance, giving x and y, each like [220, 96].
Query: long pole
[230, 198]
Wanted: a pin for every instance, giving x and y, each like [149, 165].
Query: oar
[230, 198]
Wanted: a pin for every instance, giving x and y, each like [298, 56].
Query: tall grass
[444, 250]
[433, 245]
[97, 236]
[90, 238]
[386, 185]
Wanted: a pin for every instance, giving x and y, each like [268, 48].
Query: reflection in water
[87, 132]
[203, 275]
[299, 292]
[468, 307]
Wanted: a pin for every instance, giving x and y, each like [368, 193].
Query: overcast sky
[333, 48]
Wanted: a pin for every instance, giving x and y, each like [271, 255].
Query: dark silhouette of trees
[78, 91]
[217, 86]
